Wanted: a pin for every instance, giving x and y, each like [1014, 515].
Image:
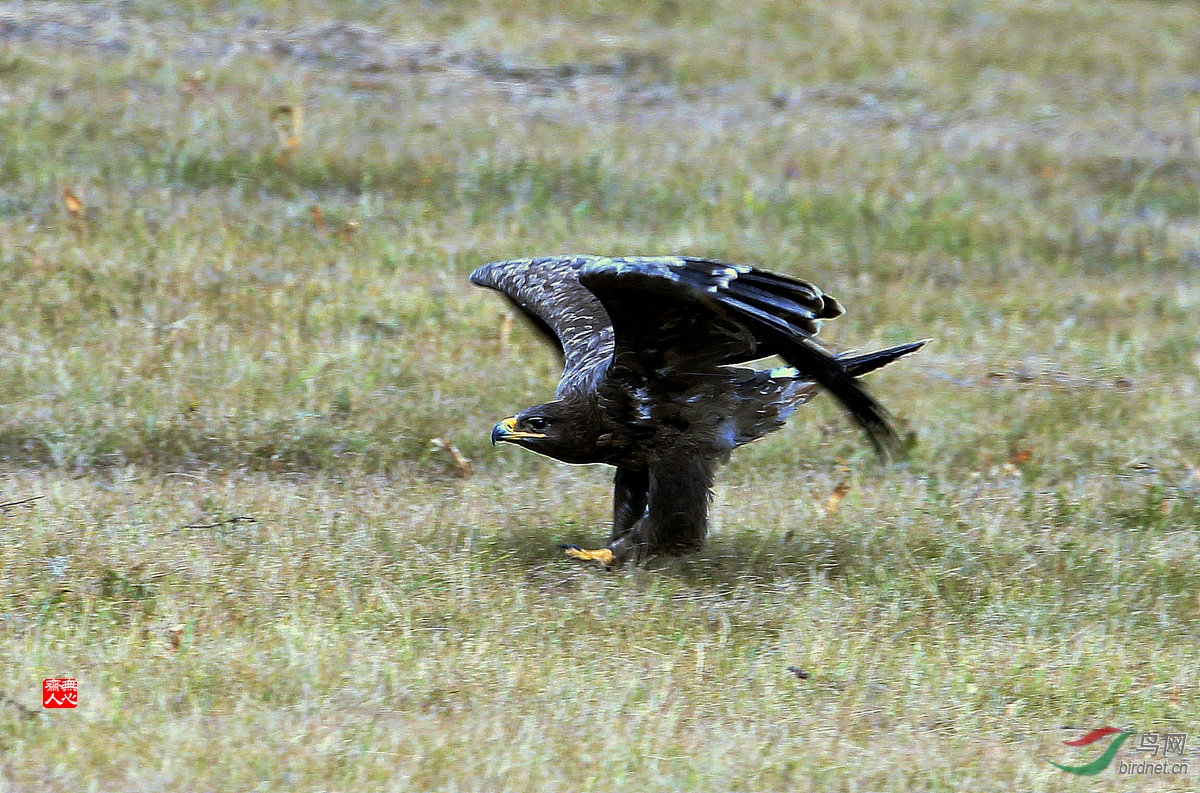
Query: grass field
[234, 241]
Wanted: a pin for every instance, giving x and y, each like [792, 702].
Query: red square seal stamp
[60, 692]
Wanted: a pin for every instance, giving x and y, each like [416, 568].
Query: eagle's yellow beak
[507, 431]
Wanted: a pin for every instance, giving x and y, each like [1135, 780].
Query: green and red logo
[1104, 760]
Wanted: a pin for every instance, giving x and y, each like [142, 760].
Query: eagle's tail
[859, 365]
[839, 376]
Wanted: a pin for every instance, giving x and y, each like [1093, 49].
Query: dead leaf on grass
[175, 636]
[194, 85]
[347, 230]
[344, 232]
[461, 463]
[72, 202]
[836, 497]
[76, 218]
[1019, 456]
[288, 122]
[506, 327]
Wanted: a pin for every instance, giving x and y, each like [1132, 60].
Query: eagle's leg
[676, 521]
[630, 491]
[631, 488]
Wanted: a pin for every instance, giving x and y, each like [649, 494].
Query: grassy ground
[265, 576]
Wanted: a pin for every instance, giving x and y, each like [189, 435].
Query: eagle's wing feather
[548, 292]
[688, 314]
[664, 316]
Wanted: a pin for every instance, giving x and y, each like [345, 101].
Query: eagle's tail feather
[859, 365]
[827, 371]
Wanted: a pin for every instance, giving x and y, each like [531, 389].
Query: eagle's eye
[536, 423]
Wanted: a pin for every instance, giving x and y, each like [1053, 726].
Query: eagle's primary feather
[651, 382]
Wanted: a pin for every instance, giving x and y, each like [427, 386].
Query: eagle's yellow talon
[604, 556]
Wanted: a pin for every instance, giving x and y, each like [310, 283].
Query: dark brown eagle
[650, 384]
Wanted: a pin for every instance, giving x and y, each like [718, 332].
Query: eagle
[653, 382]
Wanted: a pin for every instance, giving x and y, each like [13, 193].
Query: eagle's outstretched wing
[683, 314]
[548, 292]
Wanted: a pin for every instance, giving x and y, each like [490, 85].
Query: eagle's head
[556, 429]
